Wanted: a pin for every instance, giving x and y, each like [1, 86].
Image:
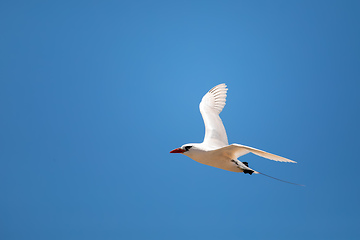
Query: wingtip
[221, 85]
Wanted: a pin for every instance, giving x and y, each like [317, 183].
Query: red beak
[177, 150]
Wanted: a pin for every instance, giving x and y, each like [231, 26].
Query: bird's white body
[214, 158]
[215, 150]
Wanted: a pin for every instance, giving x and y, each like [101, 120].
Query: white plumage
[215, 150]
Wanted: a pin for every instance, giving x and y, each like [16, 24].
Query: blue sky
[94, 95]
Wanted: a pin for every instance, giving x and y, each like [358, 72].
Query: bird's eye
[187, 148]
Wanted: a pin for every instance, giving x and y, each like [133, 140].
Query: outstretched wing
[210, 107]
[236, 150]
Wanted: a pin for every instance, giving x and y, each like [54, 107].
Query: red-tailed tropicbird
[215, 150]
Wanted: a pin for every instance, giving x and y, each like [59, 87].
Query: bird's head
[184, 149]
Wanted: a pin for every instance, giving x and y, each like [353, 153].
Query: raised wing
[210, 107]
[236, 150]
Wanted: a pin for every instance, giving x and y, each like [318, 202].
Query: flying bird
[215, 150]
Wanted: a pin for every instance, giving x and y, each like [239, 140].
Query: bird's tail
[278, 179]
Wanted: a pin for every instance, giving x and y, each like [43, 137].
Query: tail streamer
[279, 179]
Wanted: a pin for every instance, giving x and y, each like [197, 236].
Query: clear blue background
[94, 95]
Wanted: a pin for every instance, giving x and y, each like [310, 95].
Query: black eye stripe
[187, 148]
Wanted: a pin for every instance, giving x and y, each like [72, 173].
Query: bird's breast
[214, 159]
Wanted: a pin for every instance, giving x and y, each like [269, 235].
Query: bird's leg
[246, 171]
